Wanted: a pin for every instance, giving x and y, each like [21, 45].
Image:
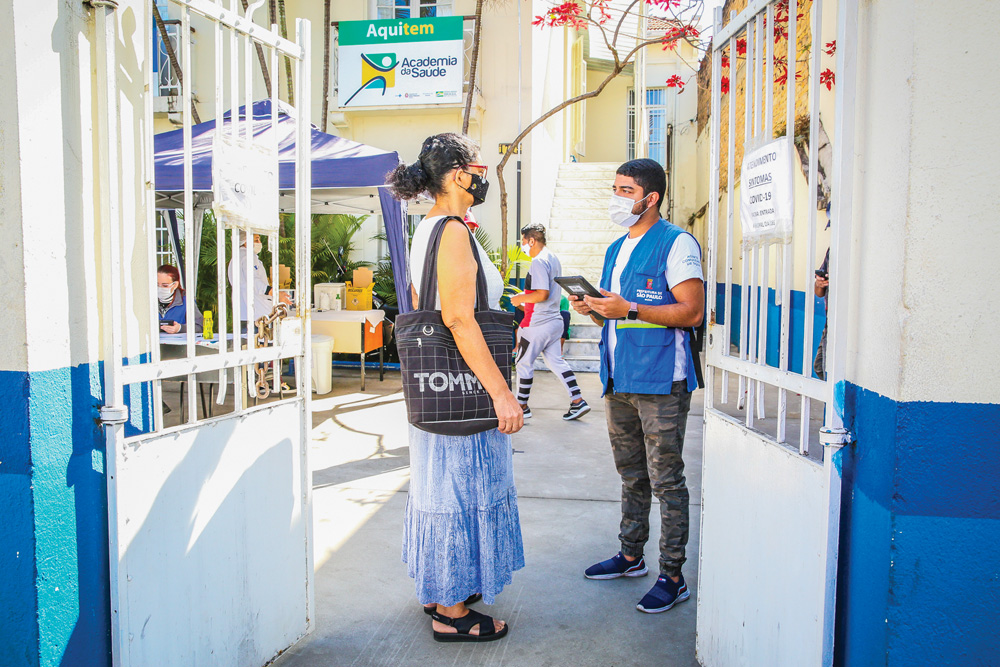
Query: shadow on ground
[366, 612]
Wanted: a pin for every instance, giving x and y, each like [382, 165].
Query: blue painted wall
[53, 530]
[796, 325]
[919, 578]
[18, 627]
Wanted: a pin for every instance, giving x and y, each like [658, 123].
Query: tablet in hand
[578, 286]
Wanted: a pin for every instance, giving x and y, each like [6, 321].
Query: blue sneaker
[664, 594]
[617, 566]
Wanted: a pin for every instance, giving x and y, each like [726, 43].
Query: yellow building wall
[607, 119]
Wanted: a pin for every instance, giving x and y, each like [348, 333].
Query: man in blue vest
[653, 290]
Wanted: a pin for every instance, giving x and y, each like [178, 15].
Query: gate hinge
[835, 437]
[114, 414]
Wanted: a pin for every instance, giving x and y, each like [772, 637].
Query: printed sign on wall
[766, 193]
[403, 61]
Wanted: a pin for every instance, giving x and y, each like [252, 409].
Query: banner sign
[766, 193]
[398, 62]
[245, 184]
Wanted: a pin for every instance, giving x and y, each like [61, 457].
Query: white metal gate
[771, 511]
[209, 519]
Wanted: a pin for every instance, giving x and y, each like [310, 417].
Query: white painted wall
[50, 198]
[13, 355]
[545, 151]
[926, 237]
[761, 571]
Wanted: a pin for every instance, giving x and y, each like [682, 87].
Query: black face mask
[477, 188]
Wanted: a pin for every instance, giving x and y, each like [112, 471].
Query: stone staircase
[579, 232]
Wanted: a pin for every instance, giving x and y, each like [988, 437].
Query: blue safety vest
[644, 352]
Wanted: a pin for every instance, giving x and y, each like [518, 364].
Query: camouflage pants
[647, 437]
[819, 361]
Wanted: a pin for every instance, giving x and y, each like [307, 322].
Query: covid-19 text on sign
[766, 193]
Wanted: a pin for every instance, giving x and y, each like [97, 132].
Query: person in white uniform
[260, 288]
[542, 327]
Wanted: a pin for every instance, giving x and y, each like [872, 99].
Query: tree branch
[260, 57]
[517, 141]
[325, 112]
[473, 66]
[614, 40]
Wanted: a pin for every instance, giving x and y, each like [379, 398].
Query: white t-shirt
[418, 254]
[545, 268]
[683, 263]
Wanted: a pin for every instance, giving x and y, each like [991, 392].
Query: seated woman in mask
[172, 302]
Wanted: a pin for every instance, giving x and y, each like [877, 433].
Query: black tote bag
[442, 393]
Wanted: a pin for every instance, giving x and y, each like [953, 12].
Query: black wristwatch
[633, 311]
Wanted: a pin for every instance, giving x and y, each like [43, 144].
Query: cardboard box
[359, 290]
[284, 277]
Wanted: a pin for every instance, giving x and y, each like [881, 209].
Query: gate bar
[713, 201]
[234, 233]
[303, 225]
[222, 326]
[231, 19]
[736, 24]
[151, 216]
[809, 264]
[749, 142]
[768, 64]
[745, 260]
[843, 198]
[273, 239]
[199, 364]
[756, 279]
[788, 262]
[106, 33]
[189, 221]
[730, 215]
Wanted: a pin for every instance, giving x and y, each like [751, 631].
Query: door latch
[114, 414]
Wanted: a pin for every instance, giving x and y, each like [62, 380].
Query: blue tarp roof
[336, 162]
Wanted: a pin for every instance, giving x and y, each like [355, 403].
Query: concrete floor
[366, 611]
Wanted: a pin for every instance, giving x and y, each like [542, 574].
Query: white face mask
[257, 247]
[620, 210]
[165, 294]
[527, 249]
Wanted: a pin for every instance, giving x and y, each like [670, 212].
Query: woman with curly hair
[462, 534]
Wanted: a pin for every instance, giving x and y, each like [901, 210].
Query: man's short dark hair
[534, 231]
[648, 175]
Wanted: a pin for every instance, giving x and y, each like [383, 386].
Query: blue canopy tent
[347, 177]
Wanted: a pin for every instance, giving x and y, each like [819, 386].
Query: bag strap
[429, 281]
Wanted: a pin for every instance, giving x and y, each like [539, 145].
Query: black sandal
[472, 599]
[465, 624]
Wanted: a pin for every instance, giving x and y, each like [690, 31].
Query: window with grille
[656, 119]
[164, 248]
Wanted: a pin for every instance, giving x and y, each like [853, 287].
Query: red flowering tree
[681, 18]
[610, 23]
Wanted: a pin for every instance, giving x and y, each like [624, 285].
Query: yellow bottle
[206, 329]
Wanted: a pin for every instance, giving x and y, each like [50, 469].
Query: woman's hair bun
[439, 154]
[407, 181]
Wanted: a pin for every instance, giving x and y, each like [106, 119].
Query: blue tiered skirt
[462, 534]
